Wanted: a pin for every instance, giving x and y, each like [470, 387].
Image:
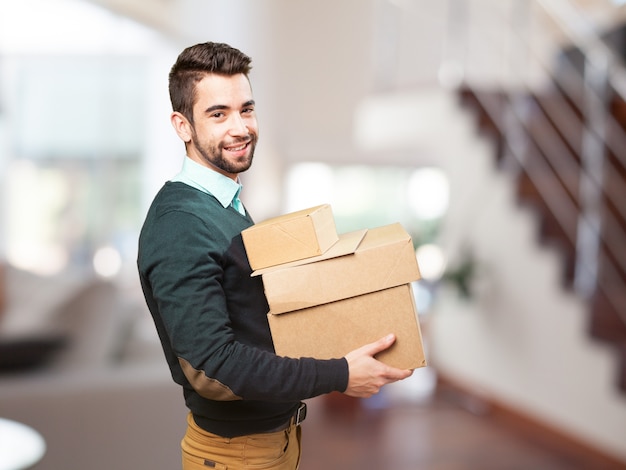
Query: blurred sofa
[81, 364]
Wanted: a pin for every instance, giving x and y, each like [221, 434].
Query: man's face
[225, 130]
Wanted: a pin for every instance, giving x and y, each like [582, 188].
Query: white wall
[522, 340]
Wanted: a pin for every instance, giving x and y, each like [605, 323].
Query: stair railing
[604, 73]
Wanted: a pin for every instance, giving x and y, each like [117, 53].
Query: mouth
[238, 147]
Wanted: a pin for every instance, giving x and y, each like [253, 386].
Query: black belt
[298, 417]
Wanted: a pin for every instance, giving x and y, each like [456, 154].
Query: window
[73, 117]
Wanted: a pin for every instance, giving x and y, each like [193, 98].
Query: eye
[218, 114]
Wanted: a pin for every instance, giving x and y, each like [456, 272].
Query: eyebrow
[218, 107]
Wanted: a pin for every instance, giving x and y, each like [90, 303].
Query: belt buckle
[300, 414]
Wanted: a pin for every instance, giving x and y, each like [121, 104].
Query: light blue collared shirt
[211, 182]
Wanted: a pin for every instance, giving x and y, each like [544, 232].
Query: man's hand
[368, 375]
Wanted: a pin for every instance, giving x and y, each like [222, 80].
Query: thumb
[380, 345]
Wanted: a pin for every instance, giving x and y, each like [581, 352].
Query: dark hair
[197, 61]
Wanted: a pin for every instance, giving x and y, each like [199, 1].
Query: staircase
[565, 145]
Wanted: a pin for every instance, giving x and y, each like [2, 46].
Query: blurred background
[492, 130]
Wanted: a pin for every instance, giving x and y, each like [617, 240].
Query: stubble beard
[214, 155]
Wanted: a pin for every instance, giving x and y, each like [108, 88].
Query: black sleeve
[186, 274]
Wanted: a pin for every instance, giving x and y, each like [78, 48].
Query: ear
[181, 126]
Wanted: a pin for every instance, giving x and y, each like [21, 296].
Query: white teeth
[235, 149]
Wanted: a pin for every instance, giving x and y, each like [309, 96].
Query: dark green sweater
[210, 315]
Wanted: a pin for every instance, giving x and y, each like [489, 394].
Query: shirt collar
[209, 181]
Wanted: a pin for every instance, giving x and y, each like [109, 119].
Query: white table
[21, 447]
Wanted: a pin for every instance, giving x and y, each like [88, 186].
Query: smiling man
[221, 131]
[244, 400]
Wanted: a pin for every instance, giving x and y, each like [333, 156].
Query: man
[210, 314]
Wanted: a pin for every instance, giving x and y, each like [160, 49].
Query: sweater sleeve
[223, 355]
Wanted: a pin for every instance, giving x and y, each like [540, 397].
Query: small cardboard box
[360, 262]
[332, 330]
[290, 237]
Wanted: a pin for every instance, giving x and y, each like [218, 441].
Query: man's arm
[366, 374]
[218, 345]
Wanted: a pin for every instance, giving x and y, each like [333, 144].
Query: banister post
[591, 177]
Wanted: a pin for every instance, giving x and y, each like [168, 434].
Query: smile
[236, 149]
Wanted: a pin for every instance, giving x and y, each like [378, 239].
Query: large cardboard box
[290, 237]
[355, 293]
[332, 330]
[360, 262]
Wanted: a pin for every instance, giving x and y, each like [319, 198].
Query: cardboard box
[385, 257]
[332, 330]
[290, 237]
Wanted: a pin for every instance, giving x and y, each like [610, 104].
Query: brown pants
[275, 450]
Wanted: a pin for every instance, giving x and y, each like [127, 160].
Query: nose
[238, 126]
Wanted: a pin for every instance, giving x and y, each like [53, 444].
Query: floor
[438, 434]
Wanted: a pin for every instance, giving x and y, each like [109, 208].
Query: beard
[214, 154]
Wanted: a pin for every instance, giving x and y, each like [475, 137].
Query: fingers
[371, 349]
[365, 387]
[367, 374]
[391, 373]
[394, 374]
[380, 345]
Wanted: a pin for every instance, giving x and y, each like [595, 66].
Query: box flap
[346, 245]
[385, 235]
[384, 258]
